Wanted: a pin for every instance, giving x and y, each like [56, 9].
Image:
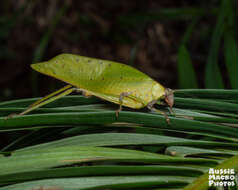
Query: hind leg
[47, 99]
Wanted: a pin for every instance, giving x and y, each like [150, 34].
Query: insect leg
[150, 106]
[84, 92]
[169, 99]
[122, 95]
[50, 95]
[49, 98]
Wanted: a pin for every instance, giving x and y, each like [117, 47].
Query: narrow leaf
[117, 182]
[103, 170]
[213, 78]
[33, 160]
[185, 69]
[120, 139]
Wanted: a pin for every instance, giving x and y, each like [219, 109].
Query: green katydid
[111, 81]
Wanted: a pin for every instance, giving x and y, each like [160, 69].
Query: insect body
[114, 82]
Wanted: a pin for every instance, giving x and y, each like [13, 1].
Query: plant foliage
[79, 143]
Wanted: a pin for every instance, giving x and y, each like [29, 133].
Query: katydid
[108, 80]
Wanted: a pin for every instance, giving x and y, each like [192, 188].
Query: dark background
[150, 35]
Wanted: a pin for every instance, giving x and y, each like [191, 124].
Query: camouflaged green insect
[111, 81]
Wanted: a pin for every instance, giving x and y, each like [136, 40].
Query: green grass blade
[103, 170]
[120, 139]
[112, 182]
[207, 93]
[213, 105]
[231, 55]
[33, 160]
[82, 108]
[230, 46]
[213, 78]
[185, 69]
[184, 151]
[108, 117]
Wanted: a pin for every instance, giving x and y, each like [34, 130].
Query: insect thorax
[158, 91]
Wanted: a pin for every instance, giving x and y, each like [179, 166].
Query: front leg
[150, 106]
